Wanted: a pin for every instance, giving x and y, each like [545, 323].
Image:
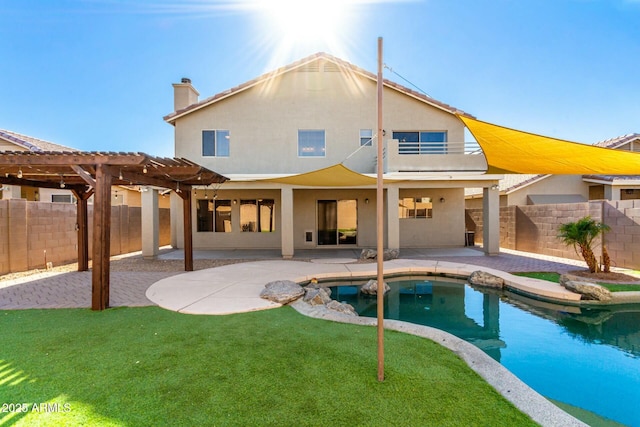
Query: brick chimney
[184, 94]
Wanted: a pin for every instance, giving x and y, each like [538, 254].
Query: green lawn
[149, 366]
[555, 277]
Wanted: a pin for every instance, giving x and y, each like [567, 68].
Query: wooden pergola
[93, 173]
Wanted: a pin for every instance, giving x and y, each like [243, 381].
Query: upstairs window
[215, 143]
[311, 143]
[366, 137]
[421, 142]
[415, 207]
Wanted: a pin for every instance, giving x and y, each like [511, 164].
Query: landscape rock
[368, 254]
[371, 287]
[589, 291]
[342, 308]
[387, 255]
[482, 278]
[282, 291]
[317, 296]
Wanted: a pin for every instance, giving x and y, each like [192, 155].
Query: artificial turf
[148, 366]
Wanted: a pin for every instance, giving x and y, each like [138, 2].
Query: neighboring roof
[552, 199]
[619, 141]
[30, 143]
[172, 117]
[512, 151]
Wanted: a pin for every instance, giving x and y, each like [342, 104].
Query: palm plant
[580, 235]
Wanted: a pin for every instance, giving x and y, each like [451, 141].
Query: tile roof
[342, 64]
[618, 141]
[32, 144]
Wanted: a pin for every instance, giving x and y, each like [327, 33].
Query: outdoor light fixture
[144, 169]
[366, 201]
[441, 199]
[235, 201]
[62, 184]
[19, 173]
[495, 187]
[120, 176]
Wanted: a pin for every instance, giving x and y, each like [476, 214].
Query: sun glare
[295, 27]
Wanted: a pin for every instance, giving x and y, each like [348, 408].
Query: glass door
[337, 222]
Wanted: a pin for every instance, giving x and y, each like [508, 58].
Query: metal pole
[380, 222]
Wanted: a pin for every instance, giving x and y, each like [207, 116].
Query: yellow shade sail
[332, 176]
[512, 151]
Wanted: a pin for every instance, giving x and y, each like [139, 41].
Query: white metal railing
[420, 148]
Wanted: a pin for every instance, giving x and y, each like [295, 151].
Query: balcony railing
[418, 148]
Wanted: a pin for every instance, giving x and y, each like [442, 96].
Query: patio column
[150, 223]
[491, 221]
[101, 238]
[286, 223]
[393, 217]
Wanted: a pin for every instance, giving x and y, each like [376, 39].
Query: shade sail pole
[380, 222]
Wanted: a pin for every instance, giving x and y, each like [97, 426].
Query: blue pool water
[586, 357]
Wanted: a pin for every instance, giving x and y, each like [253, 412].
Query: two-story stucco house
[279, 138]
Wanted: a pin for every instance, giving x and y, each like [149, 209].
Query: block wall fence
[535, 228]
[34, 233]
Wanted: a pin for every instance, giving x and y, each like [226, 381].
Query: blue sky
[97, 74]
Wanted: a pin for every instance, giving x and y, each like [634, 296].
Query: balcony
[433, 157]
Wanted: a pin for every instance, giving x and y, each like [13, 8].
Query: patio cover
[333, 176]
[512, 151]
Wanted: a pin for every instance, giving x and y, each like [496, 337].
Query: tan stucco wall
[264, 121]
[554, 184]
[447, 226]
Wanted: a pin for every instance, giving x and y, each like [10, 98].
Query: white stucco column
[612, 193]
[491, 221]
[393, 217]
[150, 223]
[286, 223]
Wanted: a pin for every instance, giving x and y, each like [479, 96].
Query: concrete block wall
[623, 241]
[534, 228]
[28, 229]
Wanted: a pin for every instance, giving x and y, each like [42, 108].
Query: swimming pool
[585, 357]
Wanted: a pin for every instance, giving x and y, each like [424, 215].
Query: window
[257, 215]
[61, 198]
[213, 215]
[215, 143]
[204, 215]
[415, 207]
[366, 137]
[421, 142]
[311, 143]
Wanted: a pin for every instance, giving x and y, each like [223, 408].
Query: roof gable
[310, 63]
[31, 144]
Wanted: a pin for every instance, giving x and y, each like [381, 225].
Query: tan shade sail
[332, 176]
[512, 151]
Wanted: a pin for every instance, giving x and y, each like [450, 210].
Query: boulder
[282, 291]
[342, 308]
[317, 296]
[388, 254]
[371, 287]
[368, 254]
[482, 278]
[588, 290]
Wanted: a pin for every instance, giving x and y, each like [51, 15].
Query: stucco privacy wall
[534, 228]
[28, 229]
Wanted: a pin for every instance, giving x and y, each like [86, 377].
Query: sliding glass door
[337, 222]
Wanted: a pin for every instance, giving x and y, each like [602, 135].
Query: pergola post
[82, 222]
[101, 239]
[187, 229]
